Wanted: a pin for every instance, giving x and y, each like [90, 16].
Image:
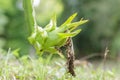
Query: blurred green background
[103, 28]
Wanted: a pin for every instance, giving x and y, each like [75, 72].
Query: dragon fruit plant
[51, 37]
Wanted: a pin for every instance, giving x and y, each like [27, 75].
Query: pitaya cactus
[48, 38]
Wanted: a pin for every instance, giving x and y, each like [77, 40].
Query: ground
[29, 68]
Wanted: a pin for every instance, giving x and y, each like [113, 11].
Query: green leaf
[61, 42]
[16, 52]
[74, 25]
[71, 26]
[54, 22]
[52, 25]
[32, 38]
[55, 51]
[66, 35]
[69, 19]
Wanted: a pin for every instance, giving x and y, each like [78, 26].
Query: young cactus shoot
[50, 37]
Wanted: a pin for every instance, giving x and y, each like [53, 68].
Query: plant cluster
[51, 37]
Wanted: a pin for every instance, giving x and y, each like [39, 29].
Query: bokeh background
[102, 30]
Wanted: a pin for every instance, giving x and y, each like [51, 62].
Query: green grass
[27, 68]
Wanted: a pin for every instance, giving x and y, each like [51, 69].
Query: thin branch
[70, 56]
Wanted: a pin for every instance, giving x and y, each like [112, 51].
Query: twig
[91, 56]
[104, 61]
[70, 56]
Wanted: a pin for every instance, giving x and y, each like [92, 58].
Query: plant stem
[70, 56]
[29, 15]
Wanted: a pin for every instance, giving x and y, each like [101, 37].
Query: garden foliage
[51, 37]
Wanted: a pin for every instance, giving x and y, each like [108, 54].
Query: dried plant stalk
[70, 56]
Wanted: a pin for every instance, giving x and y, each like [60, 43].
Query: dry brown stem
[70, 56]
